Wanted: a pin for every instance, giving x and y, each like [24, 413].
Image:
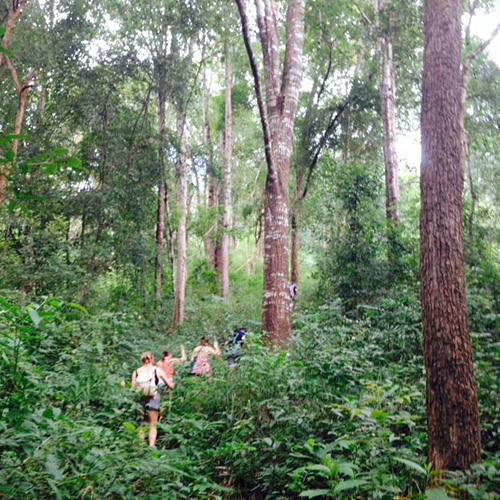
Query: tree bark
[12, 18]
[223, 258]
[452, 411]
[23, 92]
[277, 119]
[295, 231]
[208, 238]
[160, 212]
[387, 93]
[181, 186]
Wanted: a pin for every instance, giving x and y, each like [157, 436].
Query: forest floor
[340, 415]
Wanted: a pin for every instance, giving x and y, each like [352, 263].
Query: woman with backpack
[146, 380]
[199, 357]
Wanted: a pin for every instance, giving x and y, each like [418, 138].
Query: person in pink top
[200, 364]
[168, 362]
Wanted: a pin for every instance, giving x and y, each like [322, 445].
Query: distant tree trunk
[452, 411]
[277, 119]
[181, 184]
[160, 71]
[15, 9]
[208, 238]
[23, 93]
[387, 92]
[223, 258]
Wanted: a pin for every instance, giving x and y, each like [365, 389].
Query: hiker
[146, 380]
[234, 347]
[168, 362]
[199, 357]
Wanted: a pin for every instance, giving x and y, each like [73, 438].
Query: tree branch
[473, 54]
[13, 72]
[258, 90]
[319, 148]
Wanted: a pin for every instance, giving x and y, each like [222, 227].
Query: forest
[294, 204]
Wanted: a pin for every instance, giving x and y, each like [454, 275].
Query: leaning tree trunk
[387, 99]
[14, 12]
[223, 258]
[181, 184]
[160, 212]
[23, 93]
[452, 411]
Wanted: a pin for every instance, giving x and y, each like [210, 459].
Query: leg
[152, 419]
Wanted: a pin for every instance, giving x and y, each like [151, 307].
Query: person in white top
[146, 379]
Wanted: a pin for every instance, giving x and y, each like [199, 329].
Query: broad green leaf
[346, 469]
[314, 493]
[74, 163]
[268, 441]
[129, 426]
[349, 484]
[79, 307]
[34, 316]
[436, 494]
[52, 467]
[412, 465]
[318, 467]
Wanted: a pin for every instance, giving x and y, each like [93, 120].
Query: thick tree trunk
[277, 119]
[181, 184]
[223, 258]
[387, 99]
[452, 411]
[160, 212]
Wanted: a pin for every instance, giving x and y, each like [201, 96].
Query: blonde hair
[146, 357]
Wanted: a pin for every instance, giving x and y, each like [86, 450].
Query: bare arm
[183, 354]
[216, 350]
[168, 382]
[134, 376]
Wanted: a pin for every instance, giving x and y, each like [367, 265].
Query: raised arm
[183, 354]
[216, 350]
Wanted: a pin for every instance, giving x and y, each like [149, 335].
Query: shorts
[150, 403]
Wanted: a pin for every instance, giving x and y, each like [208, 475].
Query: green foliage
[341, 415]
[354, 269]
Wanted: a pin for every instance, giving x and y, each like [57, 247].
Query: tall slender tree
[387, 90]
[223, 261]
[22, 88]
[277, 120]
[452, 411]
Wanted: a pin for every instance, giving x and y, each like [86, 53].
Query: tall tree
[277, 120]
[161, 84]
[22, 89]
[387, 90]
[223, 261]
[452, 411]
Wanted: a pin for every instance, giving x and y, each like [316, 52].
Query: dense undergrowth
[340, 415]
